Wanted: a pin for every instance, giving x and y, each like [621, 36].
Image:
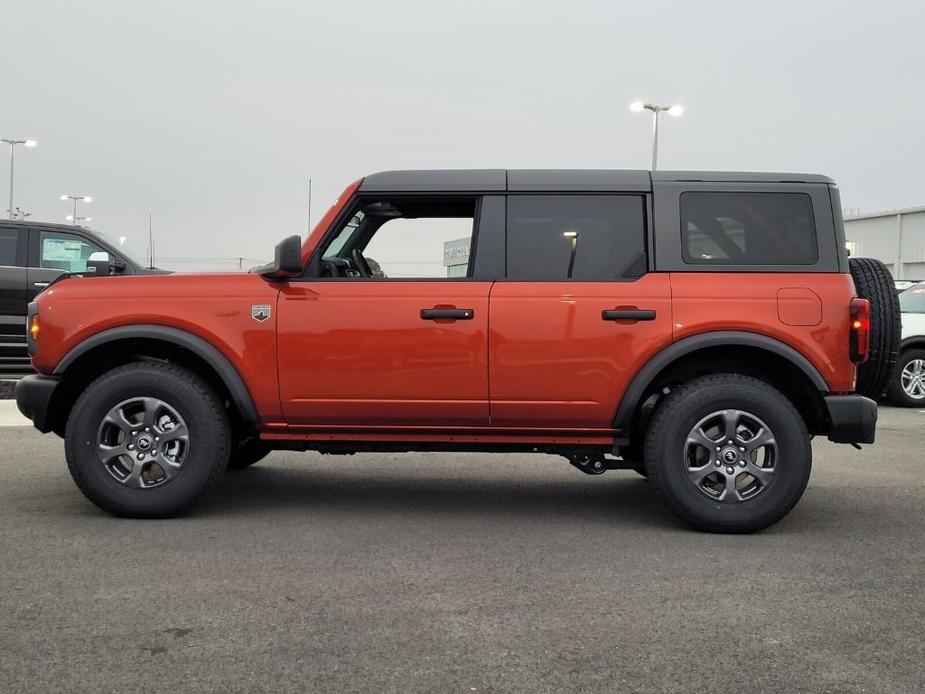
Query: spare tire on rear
[873, 281]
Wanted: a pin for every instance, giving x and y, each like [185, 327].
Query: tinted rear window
[748, 229]
[600, 237]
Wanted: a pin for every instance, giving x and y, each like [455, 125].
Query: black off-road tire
[667, 467]
[246, 452]
[895, 391]
[200, 409]
[873, 282]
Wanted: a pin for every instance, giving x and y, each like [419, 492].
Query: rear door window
[720, 228]
[577, 237]
[9, 247]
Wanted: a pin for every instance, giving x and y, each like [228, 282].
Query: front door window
[403, 238]
[67, 252]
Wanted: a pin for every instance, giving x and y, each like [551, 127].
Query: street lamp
[73, 218]
[674, 110]
[12, 143]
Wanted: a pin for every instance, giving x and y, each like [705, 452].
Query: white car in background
[907, 386]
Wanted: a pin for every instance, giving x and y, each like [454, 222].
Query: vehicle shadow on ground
[617, 497]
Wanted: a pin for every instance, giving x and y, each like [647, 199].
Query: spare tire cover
[873, 281]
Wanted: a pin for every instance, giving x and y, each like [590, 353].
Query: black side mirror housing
[287, 261]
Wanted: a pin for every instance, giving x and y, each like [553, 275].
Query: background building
[896, 237]
[456, 256]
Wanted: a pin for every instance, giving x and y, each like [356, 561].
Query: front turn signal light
[34, 328]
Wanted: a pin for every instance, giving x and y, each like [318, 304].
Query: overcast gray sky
[214, 114]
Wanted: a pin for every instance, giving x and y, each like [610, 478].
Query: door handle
[447, 313]
[628, 314]
[40, 285]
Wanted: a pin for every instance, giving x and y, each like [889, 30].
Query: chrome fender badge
[260, 312]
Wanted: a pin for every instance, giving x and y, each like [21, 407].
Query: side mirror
[98, 263]
[287, 262]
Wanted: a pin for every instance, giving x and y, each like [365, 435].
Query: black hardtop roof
[502, 180]
[47, 225]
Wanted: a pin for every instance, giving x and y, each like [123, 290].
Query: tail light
[859, 337]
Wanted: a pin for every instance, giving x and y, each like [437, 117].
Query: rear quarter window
[732, 228]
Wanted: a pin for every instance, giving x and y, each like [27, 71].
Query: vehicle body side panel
[750, 301]
[217, 308]
[355, 352]
[913, 326]
[555, 361]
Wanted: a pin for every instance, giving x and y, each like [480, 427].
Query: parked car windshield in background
[912, 300]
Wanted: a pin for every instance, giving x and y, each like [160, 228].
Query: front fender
[209, 353]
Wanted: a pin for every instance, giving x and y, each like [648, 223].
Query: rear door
[13, 298]
[578, 312]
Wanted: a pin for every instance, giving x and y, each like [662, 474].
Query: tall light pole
[675, 110]
[12, 143]
[73, 218]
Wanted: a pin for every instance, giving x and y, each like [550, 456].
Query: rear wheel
[146, 440]
[729, 452]
[907, 388]
[873, 282]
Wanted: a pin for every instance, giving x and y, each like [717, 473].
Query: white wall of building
[896, 237]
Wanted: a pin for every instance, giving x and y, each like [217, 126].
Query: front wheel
[729, 452]
[907, 387]
[146, 440]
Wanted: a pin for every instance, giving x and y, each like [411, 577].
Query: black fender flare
[200, 347]
[917, 341]
[721, 338]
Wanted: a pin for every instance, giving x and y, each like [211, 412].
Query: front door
[578, 313]
[393, 329]
[54, 252]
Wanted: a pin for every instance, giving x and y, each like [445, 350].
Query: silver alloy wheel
[730, 456]
[912, 379]
[142, 442]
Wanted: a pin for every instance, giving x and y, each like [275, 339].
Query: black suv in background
[32, 254]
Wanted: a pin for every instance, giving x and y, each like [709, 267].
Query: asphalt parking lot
[463, 573]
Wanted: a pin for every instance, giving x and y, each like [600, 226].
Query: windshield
[120, 244]
[338, 242]
[913, 299]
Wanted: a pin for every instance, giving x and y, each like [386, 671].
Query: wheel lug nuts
[742, 449]
[718, 463]
[729, 442]
[141, 456]
[730, 470]
[156, 439]
[741, 463]
[718, 449]
[131, 447]
[134, 433]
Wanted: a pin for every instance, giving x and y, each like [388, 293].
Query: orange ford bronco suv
[699, 328]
